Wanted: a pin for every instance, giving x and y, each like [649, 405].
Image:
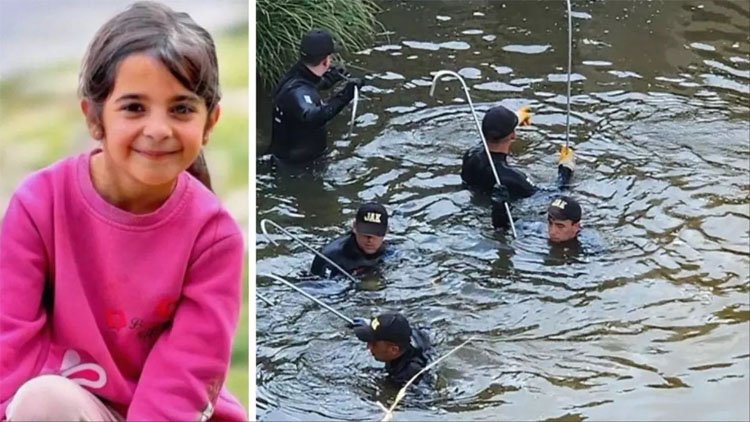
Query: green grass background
[41, 122]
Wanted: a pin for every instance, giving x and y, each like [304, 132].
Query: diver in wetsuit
[298, 132]
[391, 339]
[563, 218]
[362, 248]
[499, 129]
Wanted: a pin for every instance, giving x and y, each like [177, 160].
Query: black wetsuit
[476, 173]
[298, 133]
[347, 254]
[412, 361]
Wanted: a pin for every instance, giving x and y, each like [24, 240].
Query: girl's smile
[155, 154]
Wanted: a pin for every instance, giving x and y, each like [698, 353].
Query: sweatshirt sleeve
[24, 336]
[188, 364]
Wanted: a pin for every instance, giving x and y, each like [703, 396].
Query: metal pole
[307, 295]
[479, 128]
[570, 61]
[303, 243]
[354, 112]
[261, 297]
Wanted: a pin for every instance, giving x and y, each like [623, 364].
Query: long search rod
[303, 243]
[309, 296]
[570, 65]
[442, 73]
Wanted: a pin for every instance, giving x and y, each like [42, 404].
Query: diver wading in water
[390, 339]
[563, 219]
[499, 129]
[362, 248]
[298, 131]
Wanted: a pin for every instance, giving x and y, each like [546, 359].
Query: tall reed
[281, 24]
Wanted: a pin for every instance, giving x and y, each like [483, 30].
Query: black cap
[372, 219]
[498, 123]
[565, 208]
[389, 326]
[316, 43]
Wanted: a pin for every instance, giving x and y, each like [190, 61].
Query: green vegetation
[281, 24]
[42, 123]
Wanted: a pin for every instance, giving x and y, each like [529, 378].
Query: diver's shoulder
[336, 246]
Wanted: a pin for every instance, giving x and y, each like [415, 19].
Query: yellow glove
[524, 116]
[567, 158]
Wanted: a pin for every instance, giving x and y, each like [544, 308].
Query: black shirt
[476, 173]
[414, 359]
[298, 132]
[345, 252]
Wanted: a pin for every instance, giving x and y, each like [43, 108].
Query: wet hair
[185, 48]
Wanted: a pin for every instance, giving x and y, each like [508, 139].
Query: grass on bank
[281, 24]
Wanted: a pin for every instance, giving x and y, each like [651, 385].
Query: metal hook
[354, 112]
[303, 243]
[570, 60]
[309, 296]
[437, 76]
[264, 299]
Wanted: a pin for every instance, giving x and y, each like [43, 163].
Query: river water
[649, 319]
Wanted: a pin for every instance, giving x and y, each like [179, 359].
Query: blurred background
[42, 43]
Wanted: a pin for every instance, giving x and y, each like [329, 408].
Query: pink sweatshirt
[138, 309]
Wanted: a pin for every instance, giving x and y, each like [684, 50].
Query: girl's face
[153, 126]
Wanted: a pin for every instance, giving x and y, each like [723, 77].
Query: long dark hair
[183, 46]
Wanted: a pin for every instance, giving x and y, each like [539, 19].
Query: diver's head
[388, 336]
[370, 227]
[499, 128]
[563, 219]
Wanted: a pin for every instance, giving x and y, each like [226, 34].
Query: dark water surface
[649, 320]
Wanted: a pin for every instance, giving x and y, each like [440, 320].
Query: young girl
[120, 273]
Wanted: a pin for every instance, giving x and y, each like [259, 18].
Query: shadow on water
[648, 317]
